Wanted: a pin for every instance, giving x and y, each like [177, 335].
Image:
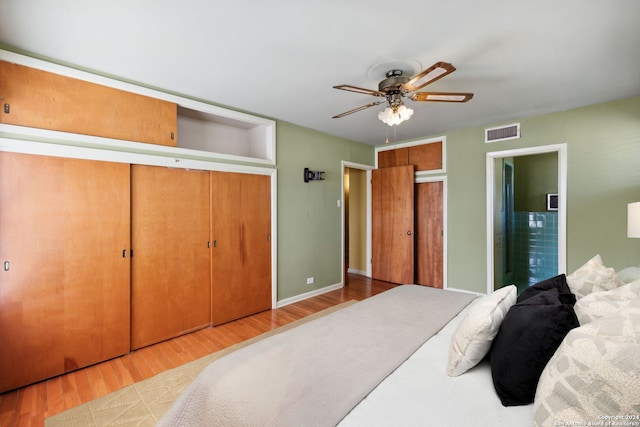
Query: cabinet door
[392, 158]
[241, 257]
[392, 222]
[170, 284]
[426, 157]
[423, 157]
[64, 288]
[46, 100]
[429, 234]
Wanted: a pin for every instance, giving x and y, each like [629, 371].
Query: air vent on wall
[502, 133]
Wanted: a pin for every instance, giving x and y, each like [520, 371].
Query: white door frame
[368, 169]
[561, 149]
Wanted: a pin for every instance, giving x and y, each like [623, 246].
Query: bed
[420, 356]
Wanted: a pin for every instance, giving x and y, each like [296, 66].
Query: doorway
[517, 220]
[356, 219]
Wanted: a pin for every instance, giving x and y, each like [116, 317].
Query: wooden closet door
[170, 286]
[392, 222]
[31, 291]
[97, 272]
[64, 288]
[241, 257]
[429, 234]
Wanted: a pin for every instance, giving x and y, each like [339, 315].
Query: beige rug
[145, 402]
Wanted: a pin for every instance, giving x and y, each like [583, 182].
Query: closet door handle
[7, 265]
[409, 233]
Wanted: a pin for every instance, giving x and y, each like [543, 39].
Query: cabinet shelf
[208, 132]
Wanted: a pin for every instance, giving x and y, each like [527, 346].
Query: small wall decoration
[310, 175]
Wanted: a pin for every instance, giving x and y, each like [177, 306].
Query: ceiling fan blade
[430, 75]
[355, 110]
[441, 97]
[360, 90]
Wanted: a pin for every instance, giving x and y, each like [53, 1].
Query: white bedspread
[314, 374]
[419, 393]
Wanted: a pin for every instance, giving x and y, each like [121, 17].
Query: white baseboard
[309, 294]
[354, 271]
[465, 291]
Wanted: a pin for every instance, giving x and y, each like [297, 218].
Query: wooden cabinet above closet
[424, 157]
[44, 100]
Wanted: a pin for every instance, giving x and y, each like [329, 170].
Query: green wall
[309, 219]
[534, 177]
[603, 155]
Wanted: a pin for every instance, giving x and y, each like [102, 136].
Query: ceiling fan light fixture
[395, 115]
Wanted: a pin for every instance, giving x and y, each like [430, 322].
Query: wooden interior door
[64, 286]
[241, 257]
[429, 198]
[170, 287]
[392, 222]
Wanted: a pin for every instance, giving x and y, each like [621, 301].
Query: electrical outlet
[310, 280]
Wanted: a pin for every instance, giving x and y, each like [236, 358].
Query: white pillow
[629, 274]
[472, 339]
[592, 277]
[593, 373]
[601, 304]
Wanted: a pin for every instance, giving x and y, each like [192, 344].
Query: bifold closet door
[170, 282]
[241, 257]
[392, 224]
[64, 286]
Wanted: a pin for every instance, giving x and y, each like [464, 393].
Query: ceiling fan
[397, 86]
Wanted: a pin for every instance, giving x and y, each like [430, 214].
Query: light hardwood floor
[29, 406]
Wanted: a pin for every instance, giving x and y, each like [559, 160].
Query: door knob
[409, 233]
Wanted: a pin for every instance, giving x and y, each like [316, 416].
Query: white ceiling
[280, 58]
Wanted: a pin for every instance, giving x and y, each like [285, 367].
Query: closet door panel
[241, 257]
[64, 301]
[97, 275]
[31, 291]
[171, 258]
[429, 234]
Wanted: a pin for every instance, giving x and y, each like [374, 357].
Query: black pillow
[531, 332]
[557, 285]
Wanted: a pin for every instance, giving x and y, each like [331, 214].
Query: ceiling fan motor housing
[392, 83]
